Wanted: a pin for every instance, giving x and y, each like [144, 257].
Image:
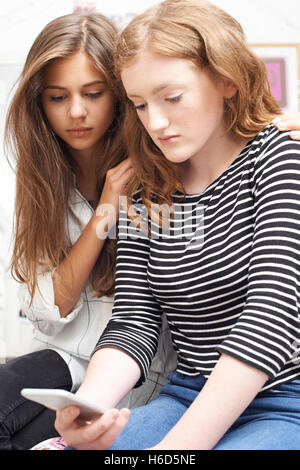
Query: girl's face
[180, 105]
[77, 101]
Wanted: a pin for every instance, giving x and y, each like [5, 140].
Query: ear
[230, 89]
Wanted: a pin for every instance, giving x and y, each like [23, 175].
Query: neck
[204, 168]
[86, 161]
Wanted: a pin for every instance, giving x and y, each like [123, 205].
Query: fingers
[103, 432]
[112, 433]
[120, 174]
[115, 181]
[93, 435]
[99, 434]
[121, 168]
[289, 122]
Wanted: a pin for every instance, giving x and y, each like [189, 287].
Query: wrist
[103, 220]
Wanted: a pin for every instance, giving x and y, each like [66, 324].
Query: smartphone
[57, 399]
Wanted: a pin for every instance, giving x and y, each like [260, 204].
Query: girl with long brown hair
[63, 128]
[225, 269]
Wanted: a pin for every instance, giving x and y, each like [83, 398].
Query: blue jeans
[271, 422]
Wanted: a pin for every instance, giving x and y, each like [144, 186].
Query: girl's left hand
[289, 122]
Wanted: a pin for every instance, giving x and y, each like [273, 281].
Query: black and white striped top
[226, 271]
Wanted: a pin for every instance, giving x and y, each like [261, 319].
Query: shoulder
[272, 151]
[270, 144]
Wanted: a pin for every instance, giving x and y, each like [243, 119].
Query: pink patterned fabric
[55, 443]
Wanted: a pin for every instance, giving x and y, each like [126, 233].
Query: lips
[168, 139]
[80, 131]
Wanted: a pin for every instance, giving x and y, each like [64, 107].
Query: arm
[289, 122]
[110, 375]
[99, 385]
[136, 321]
[72, 274]
[218, 405]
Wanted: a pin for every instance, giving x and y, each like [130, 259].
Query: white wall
[264, 21]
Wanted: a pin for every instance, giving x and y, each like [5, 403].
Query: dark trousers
[24, 423]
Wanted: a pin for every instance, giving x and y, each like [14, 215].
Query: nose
[157, 120]
[77, 108]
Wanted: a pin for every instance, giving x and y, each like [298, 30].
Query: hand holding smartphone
[57, 399]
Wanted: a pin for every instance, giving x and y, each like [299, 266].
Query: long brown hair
[203, 33]
[44, 174]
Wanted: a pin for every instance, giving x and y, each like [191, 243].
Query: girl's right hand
[96, 435]
[115, 181]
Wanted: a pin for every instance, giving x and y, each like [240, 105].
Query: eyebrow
[155, 90]
[56, 87]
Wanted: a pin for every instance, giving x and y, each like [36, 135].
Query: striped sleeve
[268, 328]
[135, 324]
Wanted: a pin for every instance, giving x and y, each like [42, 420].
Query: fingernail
[125, 412]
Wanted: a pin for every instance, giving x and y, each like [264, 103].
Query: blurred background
[272, 28]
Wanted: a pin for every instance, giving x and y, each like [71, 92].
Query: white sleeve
[43, 313]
